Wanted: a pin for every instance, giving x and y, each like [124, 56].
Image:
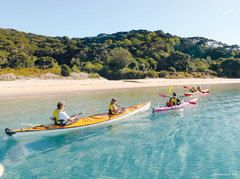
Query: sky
[213, 19]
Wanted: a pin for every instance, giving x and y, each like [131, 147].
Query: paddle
[164, 96]
[190, 102]
[121, 106]
[70, 116]
[77, 115]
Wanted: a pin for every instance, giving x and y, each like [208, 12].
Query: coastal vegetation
[123, 55]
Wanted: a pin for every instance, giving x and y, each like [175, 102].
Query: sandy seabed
[42, 87]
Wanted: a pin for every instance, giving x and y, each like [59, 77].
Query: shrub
[151, 74]
[163, 74]
[94, 75]
[65, 70]
[8, 77]
[75, 69]
[172, 69]
[128, 73]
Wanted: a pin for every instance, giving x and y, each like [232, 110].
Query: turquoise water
[199, 141]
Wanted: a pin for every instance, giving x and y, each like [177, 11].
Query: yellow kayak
[93, 120]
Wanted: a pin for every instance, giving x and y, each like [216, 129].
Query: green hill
[123, 55]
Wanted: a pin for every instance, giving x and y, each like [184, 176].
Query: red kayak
[206, 91]
[183, 104]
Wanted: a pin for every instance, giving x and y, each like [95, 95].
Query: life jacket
[173, 100]
[192, 90]
[110, 108]
[56, 118]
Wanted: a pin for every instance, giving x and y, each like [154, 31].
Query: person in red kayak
[60, 117]
[173, 100]
[193, 90]
[112, 107]
[199, 88]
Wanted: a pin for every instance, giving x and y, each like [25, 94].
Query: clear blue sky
[213, 19]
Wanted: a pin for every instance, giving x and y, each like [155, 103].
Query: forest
[123, 55]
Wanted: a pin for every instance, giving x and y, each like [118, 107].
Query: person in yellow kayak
[173, 100]
[112, 107]
[193, 90]
[60, 117]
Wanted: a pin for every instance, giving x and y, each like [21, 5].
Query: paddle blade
[192, 103]
[164, 96]
[170, 89]
[185, 87]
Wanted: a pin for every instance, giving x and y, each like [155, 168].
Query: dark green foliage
[19, 61]
[230, 68]
[163, 74]
[65, 70]
[123, 55]
[151, 74]
[119, 58]
[172, 69]
[44, 62]
[128, 73]
[178, 60]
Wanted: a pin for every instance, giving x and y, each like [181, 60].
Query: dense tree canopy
[134, 54]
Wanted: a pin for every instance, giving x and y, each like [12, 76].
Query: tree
[152, 63]
[3, 59]
[231, 67]
[119, 58]
[20, 61]
[199, 65]
[178, 60]
[92, 68]
[65, 70]
[44, 62]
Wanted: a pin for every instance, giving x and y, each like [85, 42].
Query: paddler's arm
[115, 109]
[73, 117]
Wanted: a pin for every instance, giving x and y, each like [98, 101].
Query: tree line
[123, 55]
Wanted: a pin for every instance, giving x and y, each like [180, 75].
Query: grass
[28, 72]
[8, 74]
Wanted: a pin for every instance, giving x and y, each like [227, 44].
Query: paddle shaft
[77, 115]
[121, 106]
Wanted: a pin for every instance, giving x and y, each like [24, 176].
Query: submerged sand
[41, 86]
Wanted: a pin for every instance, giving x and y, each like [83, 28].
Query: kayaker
[112, 107]
[60, 117]
[199, 88]
[173, 100]
[193, 90]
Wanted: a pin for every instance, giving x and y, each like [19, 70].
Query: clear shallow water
[196, 142]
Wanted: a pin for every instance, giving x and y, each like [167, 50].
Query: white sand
[39, 87]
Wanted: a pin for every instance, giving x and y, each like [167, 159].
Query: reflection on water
[16, 155]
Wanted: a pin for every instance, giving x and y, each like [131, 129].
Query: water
[196, 142]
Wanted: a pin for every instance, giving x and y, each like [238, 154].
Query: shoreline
[59, 86]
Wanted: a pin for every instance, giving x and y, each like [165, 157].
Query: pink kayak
[199, 92]
[183, 104]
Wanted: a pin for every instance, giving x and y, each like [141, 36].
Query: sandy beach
[42, 87]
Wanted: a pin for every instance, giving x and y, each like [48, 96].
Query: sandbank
[43, 87]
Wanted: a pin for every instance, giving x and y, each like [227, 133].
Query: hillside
[123, 55]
